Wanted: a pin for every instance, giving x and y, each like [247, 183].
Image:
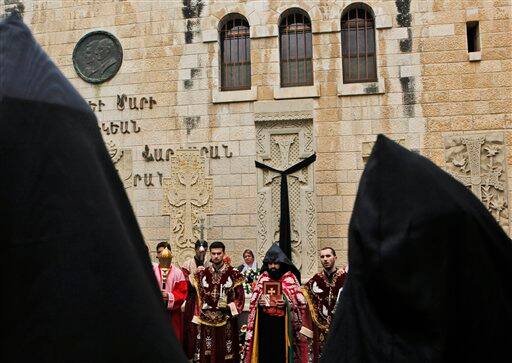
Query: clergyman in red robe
[220, 299]
[321, 292]
[189, 268]
[275, 313]
[174, 292]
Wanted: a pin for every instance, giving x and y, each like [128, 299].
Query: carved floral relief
[479, 162]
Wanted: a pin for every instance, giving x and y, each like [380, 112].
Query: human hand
[264, 300]
[280, 303]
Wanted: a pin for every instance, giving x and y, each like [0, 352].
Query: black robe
[430, 276]
[77, 283]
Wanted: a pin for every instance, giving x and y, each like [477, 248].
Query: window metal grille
[295, 41]
[358, 46]
[235, 54]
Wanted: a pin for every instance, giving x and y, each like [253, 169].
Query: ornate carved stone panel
[122, 159]
[281, 144]
[479, 162]
[187, 199]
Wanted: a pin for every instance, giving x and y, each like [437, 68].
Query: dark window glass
[296, 52]
[358, 46]
[473, 34]
[235, 54]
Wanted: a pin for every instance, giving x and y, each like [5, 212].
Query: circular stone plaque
[97, 57]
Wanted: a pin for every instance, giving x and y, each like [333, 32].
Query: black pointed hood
[76, 273]
[27, 73]
[276, 255]
[430, 269]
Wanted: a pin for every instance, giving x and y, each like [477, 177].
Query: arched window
[235, 49]
[296, 49]
[358, 45]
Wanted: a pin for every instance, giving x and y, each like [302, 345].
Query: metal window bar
[293, 25]
[234, 33]
[360, 21]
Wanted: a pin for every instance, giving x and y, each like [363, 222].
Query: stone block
[218, 220]
[220, 192]
[358, 89]
[247, 148]
[296, 92]
[333, 203]
[264, 31]
[326, 189]
[234, 96]
[225, 206]
[220, 166]
[396, 33]
[441, 30]
[249, 179]
[210, 35]
[240, 220]
[383, 21]
[246, 205]
[326, 218]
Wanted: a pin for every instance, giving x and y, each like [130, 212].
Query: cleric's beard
[275, 274]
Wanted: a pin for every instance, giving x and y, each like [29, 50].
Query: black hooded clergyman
[430, 276]
[275, 313]
[76, 276]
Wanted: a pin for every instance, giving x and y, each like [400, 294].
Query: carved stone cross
[187, 199]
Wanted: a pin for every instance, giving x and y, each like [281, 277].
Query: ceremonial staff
[165, 266]
[201, 228]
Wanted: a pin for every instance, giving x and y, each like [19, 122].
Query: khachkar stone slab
[187, 200]
[122, 159]
[281, 144]
[479, 162]
[97, 57]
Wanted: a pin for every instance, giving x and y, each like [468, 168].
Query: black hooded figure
[430, 275]
[273, 331]
[276, 255]
[76, 276]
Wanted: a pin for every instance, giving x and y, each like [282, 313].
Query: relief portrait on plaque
[97, 57]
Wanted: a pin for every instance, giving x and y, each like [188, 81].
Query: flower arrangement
[227, 260]
[250, 280]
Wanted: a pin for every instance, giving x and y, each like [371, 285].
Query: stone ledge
[326, 26]
[281, 93]
[235, 96]
[283, 106]
[263, 31]
[360, 89]
[474, 56]
[209, 36]
[383, 21]
[283, 116]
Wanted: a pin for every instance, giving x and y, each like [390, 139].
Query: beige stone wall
[427, 89]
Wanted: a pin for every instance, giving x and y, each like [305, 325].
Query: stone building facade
[185, 146]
